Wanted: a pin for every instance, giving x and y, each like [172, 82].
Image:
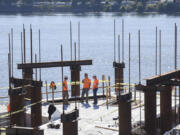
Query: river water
[97, 42]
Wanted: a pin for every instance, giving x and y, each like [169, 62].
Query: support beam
[54, 64]
[166, 109]
[150, 111]
[28, 74]
[75, 77]
[163, 77]
[70, 128]
[70, 122]
[119, 76]
[124, 114]
[17, 103]
[36, 110]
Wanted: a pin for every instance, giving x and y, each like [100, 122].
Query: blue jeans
[95, 95]
[84, 91]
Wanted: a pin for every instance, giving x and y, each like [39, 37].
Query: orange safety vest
[8, 107]
[87, 83]
[52, 85]
[65, 85]
[95, 83]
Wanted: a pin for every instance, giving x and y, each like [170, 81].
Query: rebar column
[119, 76]
[166, 109]
[17, 105]
[70, 122]
[70, 128]
[179, 105]
[28, 75]
[75, 78]
[36, 111]
[150, 111]
[124, 114]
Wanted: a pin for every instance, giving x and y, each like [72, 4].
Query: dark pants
[95, 95]
[85, 90]
[66, 97]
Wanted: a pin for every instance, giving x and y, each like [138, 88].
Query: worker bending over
[65, 91]
[86, 86]
[52, 85]
[95, 88]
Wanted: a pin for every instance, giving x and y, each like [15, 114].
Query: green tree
[74, 3]
[139, 7]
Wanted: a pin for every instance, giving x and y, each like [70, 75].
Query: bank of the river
[139, 7]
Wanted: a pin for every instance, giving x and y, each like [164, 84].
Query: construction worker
[52, 85]
[65, 90]
[86, 86]
[95, 88]
[8, 108]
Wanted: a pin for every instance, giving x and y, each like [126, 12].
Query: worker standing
[86, 85]
[65, 91]
[95, 88]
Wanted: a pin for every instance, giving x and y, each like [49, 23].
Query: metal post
[40, 53]
[156, 53]
[24, 39]
[114, 40]
[62, 72]
[22, 49]
[31, 44]
[103, 79]
[12, 45]
[47, 92]
[79, 39]
[160, 52]
[36, 68]
[119, 50]
[71, 40]
[129, 62]
[139, 49]
[109, 79]
[123, 41]
[175, 67]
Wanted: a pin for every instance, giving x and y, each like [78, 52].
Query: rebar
[39, 53]
[122, 40]
[12, 54]
[119, 50]
[114, 40]
[129, 62]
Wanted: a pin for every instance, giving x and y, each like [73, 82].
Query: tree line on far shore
[90, 6]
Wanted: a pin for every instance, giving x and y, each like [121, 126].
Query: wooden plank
[158, 79]
[107, 128]
[54, 64]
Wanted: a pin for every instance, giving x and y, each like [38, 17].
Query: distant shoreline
[138, 8]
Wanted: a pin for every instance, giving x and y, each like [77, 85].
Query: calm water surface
[96, 42]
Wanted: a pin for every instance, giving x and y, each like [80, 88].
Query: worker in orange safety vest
[86, 86]
[95, 88]
[8, 108]
[65, 91]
